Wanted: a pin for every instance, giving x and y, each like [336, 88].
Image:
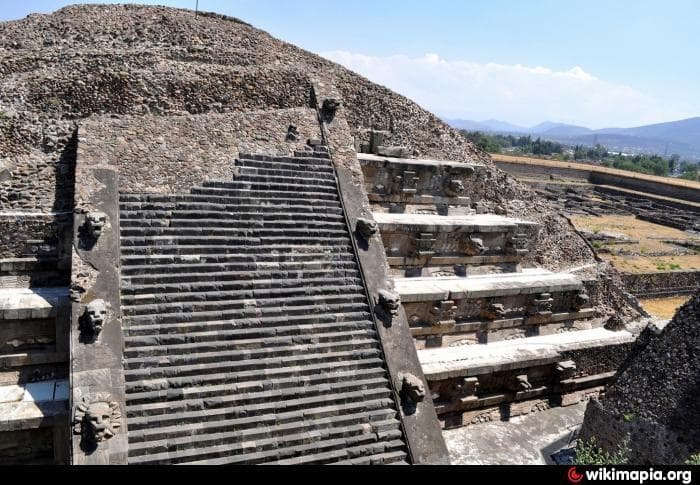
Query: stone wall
[17, 230]
[171, 154]
[653, 399]
[660, 284]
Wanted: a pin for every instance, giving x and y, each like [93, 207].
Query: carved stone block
[443, 314]
[292, 133]
[366, 228]
[424, 244]
[454, 187]
[95, 316]
[329, 108]
[518, 244]
[405, 183]
[494, 311]
[542, 305]
[472, 246]
[97, 418]
[94, 223]
[389, 302]
[518, 383]
[564, 370]
[581, 300]
[412, 388]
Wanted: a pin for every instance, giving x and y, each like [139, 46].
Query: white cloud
[516, 93]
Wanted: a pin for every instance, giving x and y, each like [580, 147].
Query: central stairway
[248, 335]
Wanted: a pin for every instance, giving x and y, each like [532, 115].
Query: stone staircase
[495, 339]
[248, 334]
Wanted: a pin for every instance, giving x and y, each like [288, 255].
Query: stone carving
[443, 314]
[405, 183]
[329, 108]
[292, 133]
[366, 228]
[424, 244]
[494, 311]
[94, 223]
[389, 302]
[472, 246]
[454, 188]
[518, 244]
[519, 383]
[467, 386]
[564, 369]
[412, 388]
[95, 316]
[581, 300]
[97, 418]
[542, 305]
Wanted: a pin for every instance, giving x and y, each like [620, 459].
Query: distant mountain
[681, 137]
[559, 129]
[495, 126]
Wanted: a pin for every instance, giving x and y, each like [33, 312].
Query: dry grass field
[651, 253]
[664, 307]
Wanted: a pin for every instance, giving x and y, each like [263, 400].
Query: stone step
[242, 337]
[193, 250]
[257, 306]
[241, 276]
[291, 255]
[242, 179]
[320, 451]
[203, 390]
[253, 397]
[242, 366]
[428, 223]
[247, 328]
[251, 294]
[231, 220]
[320, 262]
[208, 352]
[245, 314]
[247, 228]
[242, 202]
[376, 451]
[279, 172]
[204, 210]
[529, 281]
[245, 441]
[297, 405]
[268, 191]
[174, 345]
[31, 303]
[251, 285]
[279, 376]
[472, 360]
[280, 324]
[398, 457]
[297, 168]
[286, 421]
[263, 237]
[299, 161]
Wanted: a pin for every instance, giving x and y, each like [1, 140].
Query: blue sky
[597, 63]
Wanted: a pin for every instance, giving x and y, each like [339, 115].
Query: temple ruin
[219, 248]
